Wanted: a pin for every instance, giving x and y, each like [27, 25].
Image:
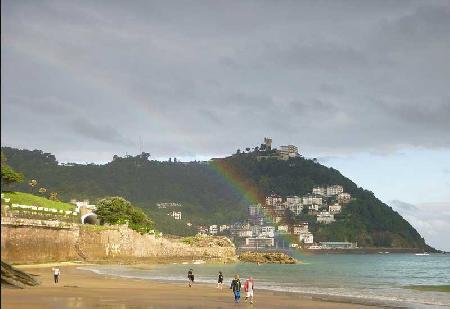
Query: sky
[361, 85]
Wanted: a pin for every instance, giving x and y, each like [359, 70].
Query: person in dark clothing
[220, 281]
[191, 277]
[236, 287]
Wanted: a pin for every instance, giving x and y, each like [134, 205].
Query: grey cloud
[98, 131]
[331, 77]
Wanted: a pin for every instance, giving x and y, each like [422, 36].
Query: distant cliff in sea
[208, 197]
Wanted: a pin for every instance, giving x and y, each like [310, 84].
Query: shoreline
[94, 290]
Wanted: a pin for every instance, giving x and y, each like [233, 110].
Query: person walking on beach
[191, 277]
[249, 285]
[236, 287]
[220, 280]
[56, 273]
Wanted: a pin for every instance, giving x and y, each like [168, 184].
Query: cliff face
[32, 241]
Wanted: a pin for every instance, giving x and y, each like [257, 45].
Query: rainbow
[249, 192]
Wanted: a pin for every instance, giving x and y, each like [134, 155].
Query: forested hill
[207, 197]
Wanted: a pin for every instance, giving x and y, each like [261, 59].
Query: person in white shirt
[56, 273]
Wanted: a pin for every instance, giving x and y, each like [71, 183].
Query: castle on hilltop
[265, 151]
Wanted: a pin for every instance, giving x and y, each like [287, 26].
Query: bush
[117, 210]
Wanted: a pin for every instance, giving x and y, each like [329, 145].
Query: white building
[335, 209]
[283, 228]
[301, 228]
[202, 230]
[175, 214]
[338, 245]
[224, 227]
[213, 229]
[293, 200]
[296, 209]
[256, 229]
[85, 204]
[313, 207]
[168, 205]
[312, 199]
[279, 209]
[306, 238]
[319, 191]
[325, 217]
[245, 233]
[255, 210]
[289, 151]
[344, 197]
[267, 231]
[273, 199]
[334, 190]
[259, 242]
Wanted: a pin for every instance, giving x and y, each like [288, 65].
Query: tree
[42, 190]
[117, 210]
[32, 184]
[53, 196]
[9, 175]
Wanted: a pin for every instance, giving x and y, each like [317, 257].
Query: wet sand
[85, 289]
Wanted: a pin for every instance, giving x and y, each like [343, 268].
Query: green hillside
[207, 197]
[22, 198]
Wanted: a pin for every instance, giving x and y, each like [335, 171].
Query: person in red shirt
[249, 286]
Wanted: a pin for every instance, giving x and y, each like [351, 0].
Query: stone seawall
[38, 241]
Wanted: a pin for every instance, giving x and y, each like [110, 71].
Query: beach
[84, 289]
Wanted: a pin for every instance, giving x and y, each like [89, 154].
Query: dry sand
[84, 289]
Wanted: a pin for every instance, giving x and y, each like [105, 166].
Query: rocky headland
[267, 258]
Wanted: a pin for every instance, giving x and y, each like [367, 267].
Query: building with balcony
[175, 214]
[300, 228]
[273, 200]
[267, 231]
[319, 191]
[213, 229]
[286, 152]
[344, 197]
[325, 217]
[306, 238]
[334, 190]
[335, 208]
[259, 242]
[312, 199]
[284, 228]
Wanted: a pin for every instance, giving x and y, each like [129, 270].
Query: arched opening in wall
[89, 219]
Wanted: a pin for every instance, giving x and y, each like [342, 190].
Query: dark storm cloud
[99, 132]
[205, 78]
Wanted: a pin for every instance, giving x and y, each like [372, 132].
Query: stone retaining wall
[38, 241]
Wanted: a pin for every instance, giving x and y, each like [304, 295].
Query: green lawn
[33, 200]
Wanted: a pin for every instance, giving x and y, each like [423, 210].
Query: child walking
[220, 281]
[191, 277]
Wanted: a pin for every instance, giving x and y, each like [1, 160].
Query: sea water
[369, 278]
